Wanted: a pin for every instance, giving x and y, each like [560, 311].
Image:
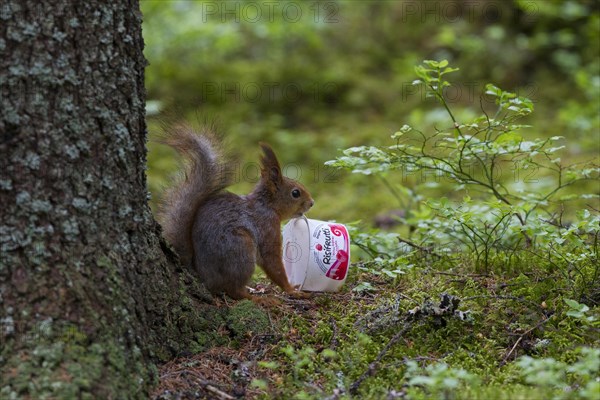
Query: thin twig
[334, 335]
[408, 298]
[209, 386]
[427, 250]
[521, 338]
[373, 366]
[220, 394]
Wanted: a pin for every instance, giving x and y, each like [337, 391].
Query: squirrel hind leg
[238, 293]
[237, 268]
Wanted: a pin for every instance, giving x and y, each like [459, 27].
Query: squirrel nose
[312, 203]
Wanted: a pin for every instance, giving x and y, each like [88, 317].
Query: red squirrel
[221, 235]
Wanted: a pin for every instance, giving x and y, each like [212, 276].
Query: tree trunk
[90, 295]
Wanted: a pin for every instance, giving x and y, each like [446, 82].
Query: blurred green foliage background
[313, 77]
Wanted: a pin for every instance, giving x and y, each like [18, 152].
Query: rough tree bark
[90, 296]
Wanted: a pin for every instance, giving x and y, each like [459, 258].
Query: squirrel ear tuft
[270, 170]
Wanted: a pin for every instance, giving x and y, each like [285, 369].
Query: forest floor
[423, 334]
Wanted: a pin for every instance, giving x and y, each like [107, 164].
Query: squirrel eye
[295, 193]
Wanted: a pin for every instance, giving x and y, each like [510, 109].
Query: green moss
[358, 328]
[245, 318]
[65, 363]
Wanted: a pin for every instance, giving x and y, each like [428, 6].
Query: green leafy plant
[438, 381]
[514, 189]
[303, 361]
[579, 380]
[579, 311]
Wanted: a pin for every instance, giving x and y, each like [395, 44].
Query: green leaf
[449, 70]
[575, 314]
[576, 306]
[431, 63]
[329, 353]
[268, 364]
[364, 287]
[421, 381]
[492, 90]
[450, 383]
[259, 384]
[509, 137]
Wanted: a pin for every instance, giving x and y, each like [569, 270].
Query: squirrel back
[204, 174]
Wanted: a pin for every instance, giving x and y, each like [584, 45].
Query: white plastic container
[316, 254]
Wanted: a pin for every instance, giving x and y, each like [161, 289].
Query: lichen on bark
[91, 297]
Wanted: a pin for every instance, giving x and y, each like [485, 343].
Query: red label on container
[331, 250]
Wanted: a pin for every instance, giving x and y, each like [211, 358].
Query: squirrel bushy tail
[204, 174]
